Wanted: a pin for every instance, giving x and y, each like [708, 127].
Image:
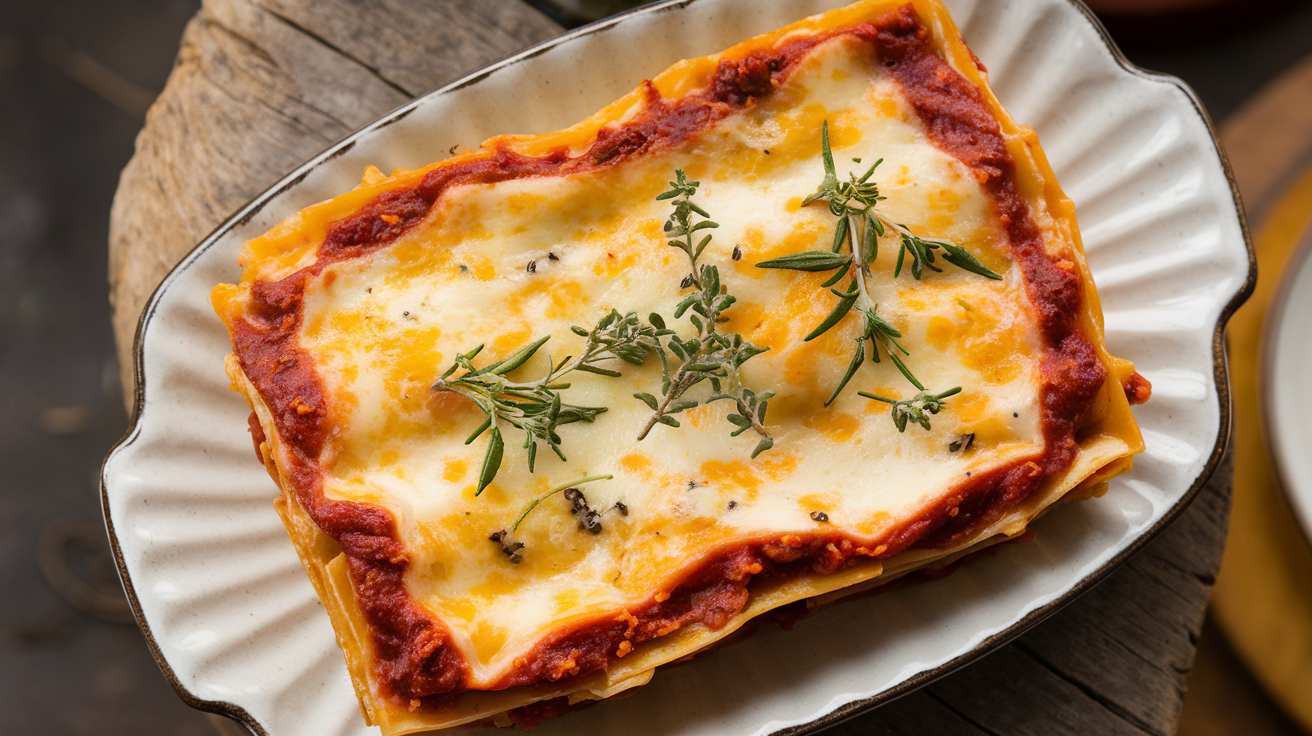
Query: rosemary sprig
[535, 407]
[877, 331]
[860, 226]
[855, 202]
[922, 255]
[712, 356]
[916, 408]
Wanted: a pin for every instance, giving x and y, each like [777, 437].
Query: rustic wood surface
[261, 86]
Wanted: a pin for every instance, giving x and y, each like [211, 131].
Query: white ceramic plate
[1287, 389]
[237, 627]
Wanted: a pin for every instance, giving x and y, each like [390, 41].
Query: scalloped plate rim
[842, 712]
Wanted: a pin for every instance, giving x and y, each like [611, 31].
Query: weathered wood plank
[1012, 693]
[417, 51]
[259, 88]
[918, 714]
[1130, 641]
[1269, 138]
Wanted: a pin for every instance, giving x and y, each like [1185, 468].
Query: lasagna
[781, 325]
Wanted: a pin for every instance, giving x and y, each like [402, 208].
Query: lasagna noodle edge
[328, 572]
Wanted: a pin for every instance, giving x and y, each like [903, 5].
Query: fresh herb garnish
[860, 226]
[589, 518]
[565, 487]
[679, 227]
[511, 547]
[916, 408]
[535, 407]
[712, 356]
[962, 443]
[877, 332]
[854, 202]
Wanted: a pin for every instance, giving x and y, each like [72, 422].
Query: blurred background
[76, 78]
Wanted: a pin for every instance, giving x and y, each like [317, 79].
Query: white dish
[235, 623]
[1287, 375]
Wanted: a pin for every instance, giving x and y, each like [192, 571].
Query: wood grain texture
[259, 87]
[1269, 139]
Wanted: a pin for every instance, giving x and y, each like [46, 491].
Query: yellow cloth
[1263, 595]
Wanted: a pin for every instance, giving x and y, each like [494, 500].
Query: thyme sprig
[860, 226]
[512, 547]
[535, 407]
[711, 356]
[588, 517]
[915, 408]
[679, 228]
[574, 484]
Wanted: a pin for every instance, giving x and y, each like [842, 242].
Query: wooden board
[258, 88]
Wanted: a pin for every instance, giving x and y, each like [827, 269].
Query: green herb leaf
[961, 258]
[491, 460]
[855, 247]
[826, 154]
[599, 371]
[481, 428]
[516, 359]
[809, 260]
[838, 275]
[857, 358]
[840, 311]
[917, 409]
[840, 234]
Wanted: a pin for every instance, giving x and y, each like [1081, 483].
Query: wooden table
[261, 86]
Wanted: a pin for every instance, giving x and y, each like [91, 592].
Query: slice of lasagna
[782, 324]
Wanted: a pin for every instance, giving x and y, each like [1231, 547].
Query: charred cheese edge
[381, 327]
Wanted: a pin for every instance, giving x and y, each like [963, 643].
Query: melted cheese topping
[383, 327]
